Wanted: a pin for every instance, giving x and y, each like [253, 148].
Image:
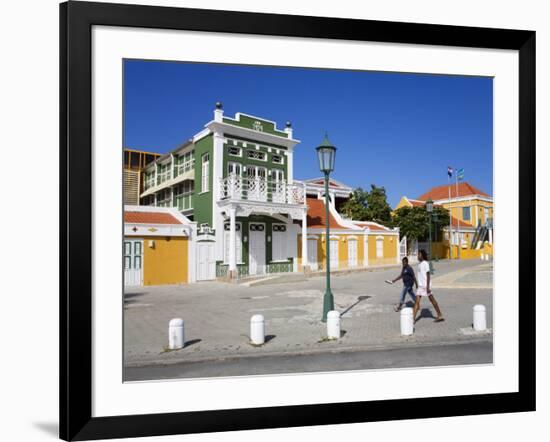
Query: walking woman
[424, 286]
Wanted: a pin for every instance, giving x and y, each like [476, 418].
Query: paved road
[422, 356]
[217, 316]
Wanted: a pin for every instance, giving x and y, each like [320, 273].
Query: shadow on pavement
[191, 342]
[359, 299]
[425, 313]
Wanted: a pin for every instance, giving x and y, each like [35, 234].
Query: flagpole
[450, 219]
[458, 222]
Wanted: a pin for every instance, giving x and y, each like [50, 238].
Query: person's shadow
[425, 313]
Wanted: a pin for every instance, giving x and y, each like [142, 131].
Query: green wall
[268, 221]
[269, 164]
[248, 122]
[202, 202]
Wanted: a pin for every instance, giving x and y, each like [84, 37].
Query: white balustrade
[260, 189]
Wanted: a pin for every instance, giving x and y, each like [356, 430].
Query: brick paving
[217, 315]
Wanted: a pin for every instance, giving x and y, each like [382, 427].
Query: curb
[486, 337]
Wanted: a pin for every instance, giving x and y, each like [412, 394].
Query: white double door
[133, 262]
[312, 254]
[256, 249]
[333, 253]
[206, 261]
[257, 183]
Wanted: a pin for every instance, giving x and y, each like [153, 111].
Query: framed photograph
[274, 221]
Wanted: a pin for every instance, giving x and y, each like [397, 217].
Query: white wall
[29, 103]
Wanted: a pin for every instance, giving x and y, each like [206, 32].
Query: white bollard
[480, 321]
[176, 338]
[257, 330]
[407, 321]
[333, 325]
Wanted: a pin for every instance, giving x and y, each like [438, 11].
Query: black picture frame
[76, 21]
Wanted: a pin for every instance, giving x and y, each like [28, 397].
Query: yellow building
[471, 212]
[353, 244]
[158, 247]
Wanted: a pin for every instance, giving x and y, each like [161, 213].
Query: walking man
[408, 277]
[424, 286]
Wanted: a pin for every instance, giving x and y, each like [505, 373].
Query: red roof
[330, 183]
[150, 218]
[316, 215]
[418, 203]
[442, 192]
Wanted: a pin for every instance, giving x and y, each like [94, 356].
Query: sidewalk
[217, 317]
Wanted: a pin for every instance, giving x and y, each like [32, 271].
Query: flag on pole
[460, 174]
[450, 171]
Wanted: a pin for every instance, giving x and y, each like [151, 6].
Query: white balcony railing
[261, 189]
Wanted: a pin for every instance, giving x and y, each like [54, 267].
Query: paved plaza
[217, 315]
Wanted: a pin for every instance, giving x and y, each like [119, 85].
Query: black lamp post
[326, 153]
[429, 209]
[436, 224]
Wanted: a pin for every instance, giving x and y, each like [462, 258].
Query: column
[305, 263]
[232, 244]
[491, 235]
[398, 247]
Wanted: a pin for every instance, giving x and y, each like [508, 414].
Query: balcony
[256, 189]
[166, 179]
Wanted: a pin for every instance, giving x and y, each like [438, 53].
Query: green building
[235, 179]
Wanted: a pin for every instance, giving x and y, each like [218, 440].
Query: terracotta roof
[150, 218]
[418, 203]
[330, 183]
[370, 225]
[442, 192]
[316, 215]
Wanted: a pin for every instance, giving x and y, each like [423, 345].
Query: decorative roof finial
[219, 105]
[326, 141]
[288, 124]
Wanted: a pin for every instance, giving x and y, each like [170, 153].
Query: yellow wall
[166, 262]
[475, 205]
[441, 250]
[389, 250]
[403, 202]
[343, 241]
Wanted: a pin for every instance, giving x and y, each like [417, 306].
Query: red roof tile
[442, 192]
[316, 215]
[417, 203]
[330, 183]
[150, 218]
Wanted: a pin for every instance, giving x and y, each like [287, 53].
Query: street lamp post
[326, 153]
[436, 223]
[429, 209]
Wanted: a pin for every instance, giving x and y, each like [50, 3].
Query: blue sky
[400, 131]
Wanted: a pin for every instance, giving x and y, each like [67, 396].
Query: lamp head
[326, 154]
